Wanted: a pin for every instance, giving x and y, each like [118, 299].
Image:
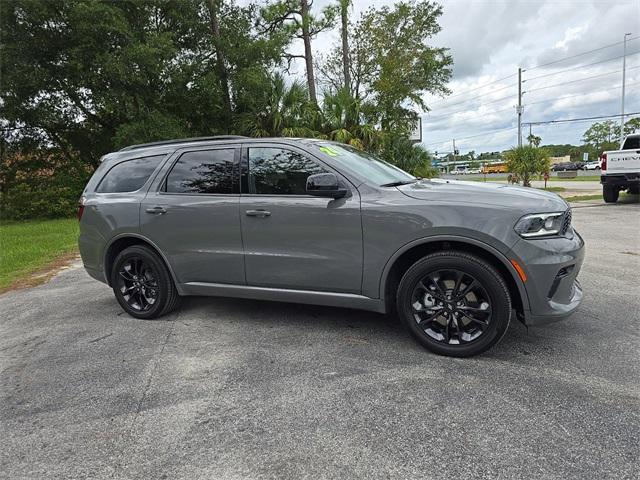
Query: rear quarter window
[128, 176]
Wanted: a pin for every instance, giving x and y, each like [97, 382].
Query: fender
[146, 240]
[455, 238]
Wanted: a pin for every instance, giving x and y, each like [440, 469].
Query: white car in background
[595, 165]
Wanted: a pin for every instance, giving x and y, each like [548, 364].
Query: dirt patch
[43, 274]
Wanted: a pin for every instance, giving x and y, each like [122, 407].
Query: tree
[92, 76]
[526, 161]
[394, 64]
[344, 34]
[602, 135]
[534, 140]
[295, 19]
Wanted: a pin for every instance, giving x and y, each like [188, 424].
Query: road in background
[247, 389]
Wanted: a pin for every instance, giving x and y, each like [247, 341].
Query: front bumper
[552, 266]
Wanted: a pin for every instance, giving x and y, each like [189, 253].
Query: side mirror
[325, 185]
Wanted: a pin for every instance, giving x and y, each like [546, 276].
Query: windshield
[372, 168]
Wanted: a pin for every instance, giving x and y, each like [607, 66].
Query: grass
[587, 178]
[553, 189]
[26, 247]
[581, 198]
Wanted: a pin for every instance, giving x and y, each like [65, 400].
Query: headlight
[540, 224]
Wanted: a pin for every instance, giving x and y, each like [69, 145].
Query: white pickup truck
[621, 169]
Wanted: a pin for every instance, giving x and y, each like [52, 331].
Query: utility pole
[624, 67]
[454, 153]
[519, 106]
[530, 134]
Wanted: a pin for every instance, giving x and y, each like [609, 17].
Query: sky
[489, 40]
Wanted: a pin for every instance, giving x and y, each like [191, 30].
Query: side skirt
[331, 299]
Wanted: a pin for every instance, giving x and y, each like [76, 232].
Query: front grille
[566, 222]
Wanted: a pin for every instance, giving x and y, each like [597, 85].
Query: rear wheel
[610, 193]
[142, 283]
[454, 303]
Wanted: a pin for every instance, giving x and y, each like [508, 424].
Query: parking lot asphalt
[230, 389]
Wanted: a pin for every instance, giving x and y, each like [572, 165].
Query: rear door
[291, 239]
[192, 214]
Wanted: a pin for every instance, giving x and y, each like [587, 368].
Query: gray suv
[317, 222]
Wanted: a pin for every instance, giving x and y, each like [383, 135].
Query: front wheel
[454, 303]
[610, 193]
[142, 283]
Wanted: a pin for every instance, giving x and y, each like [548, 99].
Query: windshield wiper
[398, 183]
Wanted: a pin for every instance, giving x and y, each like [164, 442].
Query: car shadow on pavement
[356, 326]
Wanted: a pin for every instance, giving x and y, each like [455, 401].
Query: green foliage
[526, 161]
[410, 157]
[40, 184]
[81, 78]
[606, 135]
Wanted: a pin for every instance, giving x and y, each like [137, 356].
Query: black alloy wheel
[138, 284]
[451, 307]
[454, 303]
[142, 283]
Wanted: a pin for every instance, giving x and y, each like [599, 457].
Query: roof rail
[182, 140]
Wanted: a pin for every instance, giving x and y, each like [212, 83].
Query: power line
[476, 88]
[472, 136]
[480, 96]
[579, 67]
[579, 54]
[465, 109]
[579, 94]
[578, 80]
[568, 120]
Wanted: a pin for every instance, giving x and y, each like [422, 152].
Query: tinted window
[207, 171]
[129, 176]
[631, 143]
[274, 171]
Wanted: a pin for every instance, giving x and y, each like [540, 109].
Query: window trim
[149, 180]
[235, 175]
[244, 170]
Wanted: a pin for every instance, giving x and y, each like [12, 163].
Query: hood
[525, 199]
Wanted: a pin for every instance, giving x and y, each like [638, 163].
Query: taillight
[80, 208]
[603, 161]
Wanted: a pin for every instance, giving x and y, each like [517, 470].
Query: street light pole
[624, 68]
[519, 107]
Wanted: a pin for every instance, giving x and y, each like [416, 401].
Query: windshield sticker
[329, 151]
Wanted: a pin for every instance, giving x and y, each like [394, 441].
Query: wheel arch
[120, 242]
[413, 251]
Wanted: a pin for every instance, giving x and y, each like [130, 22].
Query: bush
[40, 185]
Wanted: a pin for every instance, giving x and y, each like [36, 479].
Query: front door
[291, 239]
[192, 214]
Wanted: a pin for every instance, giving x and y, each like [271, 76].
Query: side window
[206, 171]
[274, 171]
[128, 176]
[631, 143]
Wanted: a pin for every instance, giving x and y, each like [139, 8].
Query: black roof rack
[182, 140]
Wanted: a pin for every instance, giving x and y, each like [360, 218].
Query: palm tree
[280, 110]
[526, 161]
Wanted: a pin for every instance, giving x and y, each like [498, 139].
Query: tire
[610, 193]
[445, 267]
[140, 270]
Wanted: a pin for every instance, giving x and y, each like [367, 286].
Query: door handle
[258, 213]
[156, 210]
